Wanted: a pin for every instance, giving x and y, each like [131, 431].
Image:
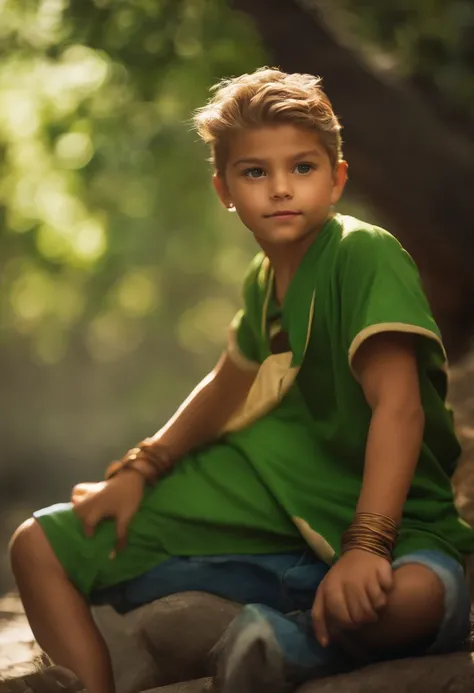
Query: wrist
[156, 454]
[149, 458]
[132, 461]
[128, 475]
[372, 533]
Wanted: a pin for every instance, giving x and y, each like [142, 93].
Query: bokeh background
[119, 270]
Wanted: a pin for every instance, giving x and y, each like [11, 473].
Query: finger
[320, 624]
[78, 495]
[84, 487]
[89, 523]
[337, 608]
[80, 510]
[385, 575]
[89, 529]
[82, 491]
[377, 595]
[78, 490]
[121, 526]
[369, 615]
[360, 607]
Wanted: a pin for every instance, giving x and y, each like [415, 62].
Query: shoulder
[255, 268]
[256, 279]
[357, 234]
[365, 245]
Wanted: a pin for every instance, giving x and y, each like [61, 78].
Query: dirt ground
[17, 645]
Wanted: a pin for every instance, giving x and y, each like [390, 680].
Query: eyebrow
[260, 162]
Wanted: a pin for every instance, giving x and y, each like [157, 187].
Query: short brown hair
[267, 96]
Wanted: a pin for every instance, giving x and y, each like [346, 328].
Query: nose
[280, 187]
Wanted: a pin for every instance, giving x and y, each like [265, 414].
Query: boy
[308, 474]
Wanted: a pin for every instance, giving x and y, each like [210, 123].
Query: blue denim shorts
[278, 590]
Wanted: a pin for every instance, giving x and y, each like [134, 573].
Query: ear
[220, 186]
[340, 180]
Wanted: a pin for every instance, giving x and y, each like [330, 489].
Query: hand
[351, 595]
[119, 497]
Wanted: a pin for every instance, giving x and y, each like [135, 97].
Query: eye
[254, 172]
[304, 168]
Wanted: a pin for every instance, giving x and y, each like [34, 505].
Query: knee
[416, 603]
[25, 544]
[412, 616]
[418, 590]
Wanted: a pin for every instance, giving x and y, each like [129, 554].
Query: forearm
[197, 421]
[203, 414]
[393, 448]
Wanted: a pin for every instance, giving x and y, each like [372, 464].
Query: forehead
[272, 142]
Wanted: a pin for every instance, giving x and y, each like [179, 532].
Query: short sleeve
[381, 291]
[245, 329]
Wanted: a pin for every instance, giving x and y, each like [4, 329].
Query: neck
[285, 260]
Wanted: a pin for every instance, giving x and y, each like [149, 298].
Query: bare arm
[198, 420]
[387, 369]
[210, 405]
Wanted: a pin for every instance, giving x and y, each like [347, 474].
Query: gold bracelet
[133, 462]
[158, 460]
[156, 455]
[371, 532]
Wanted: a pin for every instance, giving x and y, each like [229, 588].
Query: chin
[281, 236]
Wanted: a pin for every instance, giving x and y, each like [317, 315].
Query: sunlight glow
[136, 294]
[89, 242]
[74, 150]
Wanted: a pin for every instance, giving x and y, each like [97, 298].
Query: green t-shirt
[355, 280]
[287, 469]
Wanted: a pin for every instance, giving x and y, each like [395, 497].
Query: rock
[170, 639]
[54, 679]
[166, 641]
[452, 673]
[197, 686]
[462, 401]
[180, 631]
[443, 674]
[133, 666]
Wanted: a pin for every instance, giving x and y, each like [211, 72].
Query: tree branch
[415, 170]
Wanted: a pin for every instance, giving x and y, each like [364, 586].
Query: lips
[284, 213]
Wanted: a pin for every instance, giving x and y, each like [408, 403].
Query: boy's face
[280, 181]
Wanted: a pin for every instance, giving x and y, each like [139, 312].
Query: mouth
[283, 213]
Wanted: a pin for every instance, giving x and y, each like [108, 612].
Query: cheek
[323, 193]
[249, 199]
[246, 213]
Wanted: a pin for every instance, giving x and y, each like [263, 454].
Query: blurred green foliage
[119, 270]
[431, 42]
[104, 191]
[109, 228]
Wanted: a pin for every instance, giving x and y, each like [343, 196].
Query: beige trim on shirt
[367, 332]
[237, 357]
[268, 269]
